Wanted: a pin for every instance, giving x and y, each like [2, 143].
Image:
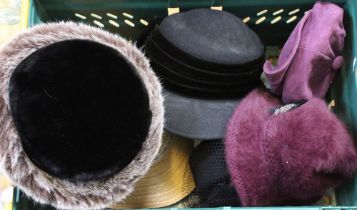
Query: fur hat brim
[244, 155]
[38, 184]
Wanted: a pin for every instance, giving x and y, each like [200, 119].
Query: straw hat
[168, 181]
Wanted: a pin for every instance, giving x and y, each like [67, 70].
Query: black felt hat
[81, 115]
[207, 60]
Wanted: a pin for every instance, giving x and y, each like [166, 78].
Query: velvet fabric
[75, 91]
[177, 69]
[290, 158]
[190, 64]
[206, 66]
[311, 56]
[79, 120]
[191, 89]
[184, 79]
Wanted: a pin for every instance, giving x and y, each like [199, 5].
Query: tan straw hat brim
[168, 181]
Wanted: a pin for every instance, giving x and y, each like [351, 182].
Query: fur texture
[79, 120]
[287, 159]
[38, 184]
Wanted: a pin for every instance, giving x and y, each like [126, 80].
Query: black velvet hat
[207, 60]
[81, 115]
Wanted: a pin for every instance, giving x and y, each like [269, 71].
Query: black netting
[213, 184]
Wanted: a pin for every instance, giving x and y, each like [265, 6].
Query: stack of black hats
[206, 53]
[207, 60]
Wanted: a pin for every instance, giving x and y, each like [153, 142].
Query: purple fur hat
[311, 57]
[288, 158]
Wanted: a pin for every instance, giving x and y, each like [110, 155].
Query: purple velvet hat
[310, 58]
[287, 157]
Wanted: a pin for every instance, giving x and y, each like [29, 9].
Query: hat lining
[79, 120]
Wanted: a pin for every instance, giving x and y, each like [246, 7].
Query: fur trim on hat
[38, 184]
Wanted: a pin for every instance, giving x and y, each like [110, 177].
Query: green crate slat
[343, 91]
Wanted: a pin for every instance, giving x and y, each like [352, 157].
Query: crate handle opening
[173, 6]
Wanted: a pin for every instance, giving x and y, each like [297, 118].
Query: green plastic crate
[273, 20]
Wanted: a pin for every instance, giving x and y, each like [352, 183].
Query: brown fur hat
[73, 192]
